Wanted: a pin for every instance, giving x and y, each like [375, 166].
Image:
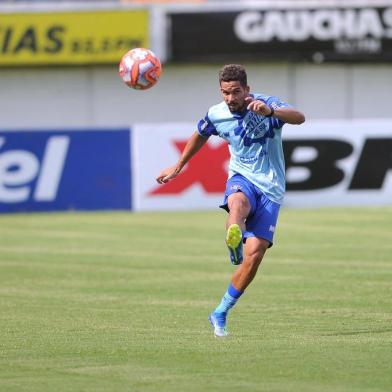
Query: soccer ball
[140, 68]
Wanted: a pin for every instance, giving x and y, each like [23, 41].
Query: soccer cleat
[218, 321]
[234, 243]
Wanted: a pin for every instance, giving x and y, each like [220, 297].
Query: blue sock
[229, 300]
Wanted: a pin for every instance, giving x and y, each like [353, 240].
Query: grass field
[119, 302]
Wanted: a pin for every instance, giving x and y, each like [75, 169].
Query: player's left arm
[287, 115]
[276, 109]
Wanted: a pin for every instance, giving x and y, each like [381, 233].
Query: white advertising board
[338, 163]
[328, 163]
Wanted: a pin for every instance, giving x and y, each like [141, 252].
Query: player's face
[234, 95]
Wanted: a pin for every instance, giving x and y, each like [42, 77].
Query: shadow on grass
[369, 331]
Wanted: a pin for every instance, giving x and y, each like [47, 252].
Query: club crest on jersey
[256, 123]
[255, 126]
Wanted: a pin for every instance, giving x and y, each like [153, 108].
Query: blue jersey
[255, 144]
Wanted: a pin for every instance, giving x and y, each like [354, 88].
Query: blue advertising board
[65, 170]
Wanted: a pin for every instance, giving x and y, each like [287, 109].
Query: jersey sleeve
[206, 128]
[277, 103]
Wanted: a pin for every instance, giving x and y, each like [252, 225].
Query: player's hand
[168, 174]
[258, 107]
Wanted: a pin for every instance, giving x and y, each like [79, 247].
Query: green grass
[119, 302]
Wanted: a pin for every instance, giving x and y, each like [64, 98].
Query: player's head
[233, 73]
[234, 86]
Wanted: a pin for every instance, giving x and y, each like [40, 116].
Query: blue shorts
[264, 212]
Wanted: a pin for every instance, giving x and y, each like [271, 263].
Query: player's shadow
[363, 332]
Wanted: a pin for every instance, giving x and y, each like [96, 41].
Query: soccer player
[252, 125]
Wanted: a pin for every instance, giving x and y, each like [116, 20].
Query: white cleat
[220, 329]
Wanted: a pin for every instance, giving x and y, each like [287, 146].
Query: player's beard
[237, 108]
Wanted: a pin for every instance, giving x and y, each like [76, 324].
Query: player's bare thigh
[239, 204]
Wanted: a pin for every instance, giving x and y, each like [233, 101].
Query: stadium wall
[94, 96]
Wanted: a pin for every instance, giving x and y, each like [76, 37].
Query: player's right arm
[194, 144]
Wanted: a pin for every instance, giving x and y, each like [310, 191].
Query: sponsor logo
[369, 172]
[203, 126]
[19, 169]
[353, 30]
[322, 167]
[249, 160]
[44, 170]
[206, 168]
[235, 187]
[272, 229]
[70, 38]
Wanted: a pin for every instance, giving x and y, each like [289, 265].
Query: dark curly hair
[233, 72]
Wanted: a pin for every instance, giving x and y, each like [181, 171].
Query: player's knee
[239, 203]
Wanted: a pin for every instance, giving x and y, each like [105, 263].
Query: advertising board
[79, 37]
[322, 33]
[64, 170]
[328, 163]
